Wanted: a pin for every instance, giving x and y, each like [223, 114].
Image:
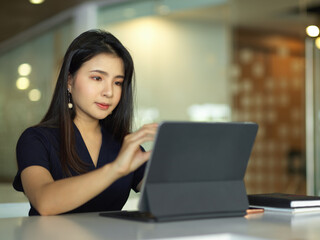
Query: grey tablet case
[196, 171]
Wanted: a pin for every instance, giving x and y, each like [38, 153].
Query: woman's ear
[70, 82]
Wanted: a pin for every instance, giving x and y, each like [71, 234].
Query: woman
[82, 157]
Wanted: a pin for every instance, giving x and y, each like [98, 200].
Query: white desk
[91, 226]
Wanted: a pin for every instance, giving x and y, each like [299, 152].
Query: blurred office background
[203, 60]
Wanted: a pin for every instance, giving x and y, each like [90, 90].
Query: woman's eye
[118, 83]
[96, 78]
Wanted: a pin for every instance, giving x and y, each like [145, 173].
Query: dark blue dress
[40, 146]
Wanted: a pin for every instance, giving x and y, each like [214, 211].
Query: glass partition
[181, 62]
[224, 61]
[27, 77]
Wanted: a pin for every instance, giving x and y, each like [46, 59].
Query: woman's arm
[51, 197]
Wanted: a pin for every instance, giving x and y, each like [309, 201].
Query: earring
[70, 105]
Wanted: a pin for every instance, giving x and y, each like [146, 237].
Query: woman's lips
[103, 106]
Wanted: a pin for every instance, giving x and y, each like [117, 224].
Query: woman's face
[96, 87]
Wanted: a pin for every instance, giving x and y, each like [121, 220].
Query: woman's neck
[87, 127]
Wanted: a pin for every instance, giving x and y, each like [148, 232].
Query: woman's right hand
[131, 156]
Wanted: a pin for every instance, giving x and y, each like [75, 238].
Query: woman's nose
[108, 90]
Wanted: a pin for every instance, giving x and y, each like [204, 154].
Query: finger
[145, 130]
[132, 146]
[130, 159]
[151, 125]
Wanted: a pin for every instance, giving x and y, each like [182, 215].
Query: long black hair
[82, 49]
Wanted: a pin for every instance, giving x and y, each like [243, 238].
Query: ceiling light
[312, 31]
[34, 95]
[36, 1]
[22, 83]
[24, 69]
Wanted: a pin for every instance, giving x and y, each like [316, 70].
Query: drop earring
[70, 105]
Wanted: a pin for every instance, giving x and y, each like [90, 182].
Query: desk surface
[90, 226]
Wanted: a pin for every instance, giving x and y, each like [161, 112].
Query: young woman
[82, 157]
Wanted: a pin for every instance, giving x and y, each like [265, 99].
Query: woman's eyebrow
[105, 73]
[99, 71]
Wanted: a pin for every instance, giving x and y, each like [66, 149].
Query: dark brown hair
[83, 48]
